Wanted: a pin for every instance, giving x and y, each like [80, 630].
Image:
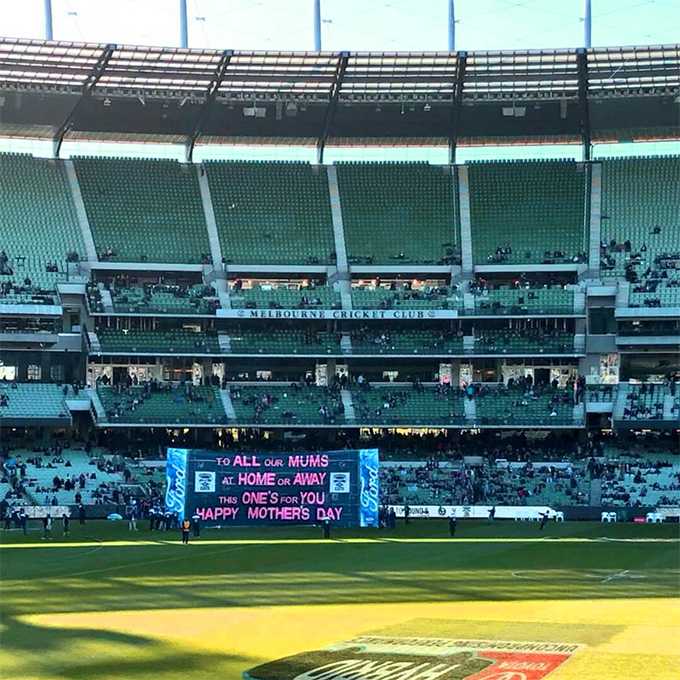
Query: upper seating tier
[272, 213]
[144, 210]
[38, 229]
[528, 212]
[399, 213]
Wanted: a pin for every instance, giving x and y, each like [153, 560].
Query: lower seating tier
[179, 340]
[287, 404]
[164, 404]
[408, 405]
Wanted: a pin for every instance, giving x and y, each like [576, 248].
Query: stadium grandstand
[503, 328]
[464, 295]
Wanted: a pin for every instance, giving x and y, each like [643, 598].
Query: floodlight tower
[49, 33]
[317, 25]
[588, 24]
[183, 27]
[452, 26]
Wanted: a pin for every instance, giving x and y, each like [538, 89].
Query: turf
[108, 604]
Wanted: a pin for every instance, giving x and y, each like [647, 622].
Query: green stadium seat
[284, 341]
[536, 208]
[522, 341]
[376, 341]
[272, 213]
[399, 213]
[33, 401]
[144, 210]
[406, 405]
[173, 341]
[290, 404]
[640, 195]
[38, 225]
[170, 405]
[513, 301]
[500, 405]
[426, 297]
[285, 297]
[164, 299]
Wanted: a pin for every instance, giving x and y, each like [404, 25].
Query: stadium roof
[114, 92]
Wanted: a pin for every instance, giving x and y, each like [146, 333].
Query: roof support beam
[452, 26]
[584, 112]
[332, 105]
[47, 11]
[211, 95]
[587, 24]
[183, 25]
[317, 25]
[85, 93]
[457, 106]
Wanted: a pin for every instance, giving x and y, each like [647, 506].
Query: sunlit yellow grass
[645, 648]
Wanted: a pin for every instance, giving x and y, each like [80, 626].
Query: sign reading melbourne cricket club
[372, 657]
[339, 314]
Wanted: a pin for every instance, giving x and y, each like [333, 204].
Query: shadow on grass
[58, 653]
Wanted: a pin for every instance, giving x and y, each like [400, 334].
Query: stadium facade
[198, 299]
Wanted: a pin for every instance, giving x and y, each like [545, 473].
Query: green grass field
[108, 604]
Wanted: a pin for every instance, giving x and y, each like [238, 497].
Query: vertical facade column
[465, 221]
[339, 237]
[81, 213]
[210, 221]
[595, 237]
[336, 216]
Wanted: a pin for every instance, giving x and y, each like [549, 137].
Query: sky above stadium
[376, 25]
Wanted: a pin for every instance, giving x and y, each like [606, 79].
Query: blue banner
[176, 481]
[369, 499]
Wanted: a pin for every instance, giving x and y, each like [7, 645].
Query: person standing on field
[47, 527]
[132, 517]
[186, 525]
[66, 523]
[452, 524]
[196, 524]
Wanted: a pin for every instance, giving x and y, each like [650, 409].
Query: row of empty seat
[513, 301]
[180, 340]
[277, 213]
[33, 401]
[173, 405]
[135, 299]
[399, 213]
[38, 227]
[285, 297]
[528, 212]
[640, 208]
[143, 210]
[318, 343]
